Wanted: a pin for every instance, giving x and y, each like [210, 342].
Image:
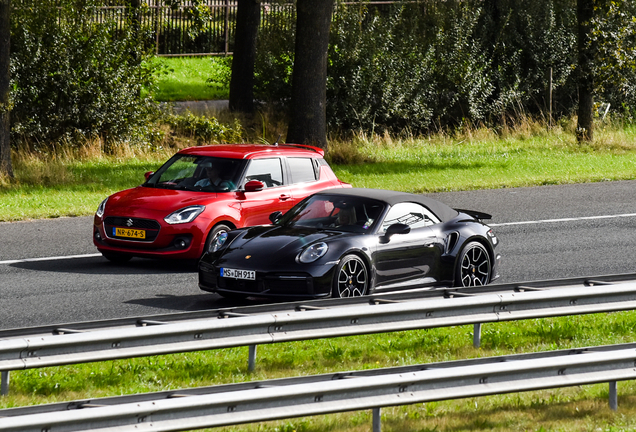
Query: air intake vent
[451, 241]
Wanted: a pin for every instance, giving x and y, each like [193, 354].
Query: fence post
[4, 383]
[377, 423]
[613, 396]
[477, 335]
[251, 362]
[227, 26]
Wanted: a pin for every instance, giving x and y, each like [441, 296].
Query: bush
[205, 130]
[74, 78]
[415, 67]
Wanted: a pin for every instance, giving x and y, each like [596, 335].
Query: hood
[145, 200]
[268, 241]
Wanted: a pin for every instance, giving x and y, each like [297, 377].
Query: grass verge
[53, 185]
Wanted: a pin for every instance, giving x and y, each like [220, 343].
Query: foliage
[416, 67]
[614, 37]
[74, 78]
[205, 129]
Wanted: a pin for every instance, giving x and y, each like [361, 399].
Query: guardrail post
[4, 383]
[613, 396]
[251, 362]
[377, 425]
[477, 335]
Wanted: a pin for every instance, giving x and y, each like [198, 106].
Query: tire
[473, 266]
[116, 258]
[215, 231]
[351, 278]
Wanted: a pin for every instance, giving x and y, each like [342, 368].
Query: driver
[346, 216]
[213, 178]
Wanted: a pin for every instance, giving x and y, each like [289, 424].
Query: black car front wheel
[351, 278]
[473, 266]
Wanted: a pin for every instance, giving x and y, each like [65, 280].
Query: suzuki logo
[129, 222]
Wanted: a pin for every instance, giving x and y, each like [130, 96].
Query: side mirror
[275, 216]
[398, 228]
[254, 186]
[148, 175]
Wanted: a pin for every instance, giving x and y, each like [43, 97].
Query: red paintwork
[235, 209]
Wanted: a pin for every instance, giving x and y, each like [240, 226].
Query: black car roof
[441, 210]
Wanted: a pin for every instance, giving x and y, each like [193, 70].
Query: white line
[49, 258]
[565, 219]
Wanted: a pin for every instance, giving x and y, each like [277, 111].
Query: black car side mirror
[398, 228]
[274, 217]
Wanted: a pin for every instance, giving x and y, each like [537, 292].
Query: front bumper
[311, 283]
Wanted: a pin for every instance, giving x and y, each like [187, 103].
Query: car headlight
[184, 215]
[101, 208]
[218, 241]
[313, 252]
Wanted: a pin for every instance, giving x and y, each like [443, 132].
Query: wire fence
[193, 27]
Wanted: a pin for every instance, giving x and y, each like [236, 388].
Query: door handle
[284, 197]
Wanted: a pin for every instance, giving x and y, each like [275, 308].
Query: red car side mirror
[254, 186]
[148, 174]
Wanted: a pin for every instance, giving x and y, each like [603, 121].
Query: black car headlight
[313, 252]
[184, 215]
[101, 208]
[218, 241]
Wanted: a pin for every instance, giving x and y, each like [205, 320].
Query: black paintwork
[409, 258]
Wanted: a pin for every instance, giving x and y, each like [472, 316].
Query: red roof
[249, 151]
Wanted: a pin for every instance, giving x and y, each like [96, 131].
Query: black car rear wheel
[351, 279]
[473, 266]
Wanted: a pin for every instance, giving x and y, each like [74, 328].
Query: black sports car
[352, 242]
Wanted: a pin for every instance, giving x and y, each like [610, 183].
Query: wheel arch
[484, 243]
[367, 262]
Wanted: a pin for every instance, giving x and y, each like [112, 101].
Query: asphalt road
[50, 272]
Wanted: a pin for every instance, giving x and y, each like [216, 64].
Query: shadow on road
[191, 302]
[99, 265]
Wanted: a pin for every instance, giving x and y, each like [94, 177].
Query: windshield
[340, 213]
[198, 173]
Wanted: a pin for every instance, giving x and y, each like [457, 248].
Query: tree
[248, 18]
[584, 15]
[5, 108]
[308, 124]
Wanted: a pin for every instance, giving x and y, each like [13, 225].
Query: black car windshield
[198, 173]
[340, 213]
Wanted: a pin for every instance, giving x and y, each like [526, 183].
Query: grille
[136, 223]
[150, 226]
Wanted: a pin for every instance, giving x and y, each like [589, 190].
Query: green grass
[186, 78]
[72, 187]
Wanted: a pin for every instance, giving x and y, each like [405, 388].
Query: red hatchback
[204, 191]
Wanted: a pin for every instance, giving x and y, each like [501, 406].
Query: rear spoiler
[475, 214]
[318, 150]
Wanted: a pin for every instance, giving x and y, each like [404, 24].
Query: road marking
[626, 215]
[49, 258]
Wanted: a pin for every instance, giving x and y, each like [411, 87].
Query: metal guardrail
[325, 394]
[310, 320]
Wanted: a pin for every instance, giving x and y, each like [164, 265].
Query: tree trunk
[248, 18]
[5, 51]
[584, 15]
[308, 122]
